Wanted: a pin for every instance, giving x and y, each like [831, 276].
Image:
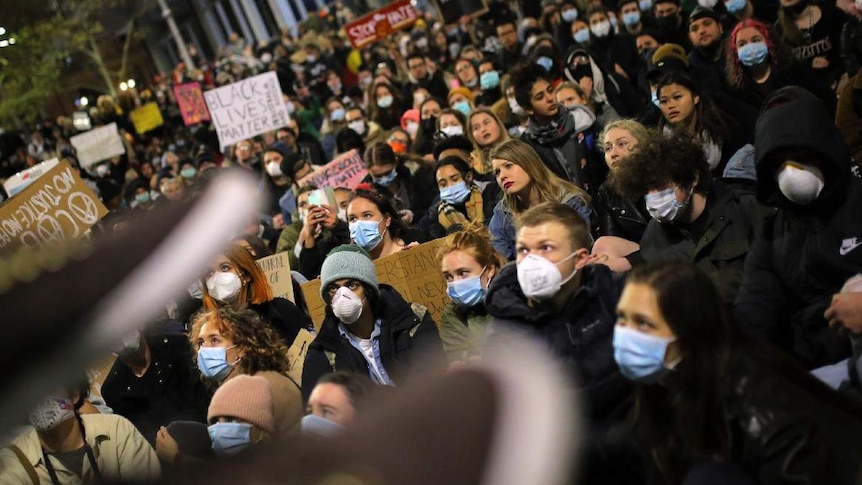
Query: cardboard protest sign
[247, 108]
[22, 179]
[56, 207]
[414, 272]
[147, 117]
[190, 99]
[296, 355]
[277, 271]
[98, 144]
[381, 23]
[346, 170]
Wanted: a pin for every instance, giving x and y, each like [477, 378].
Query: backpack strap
[31, 472]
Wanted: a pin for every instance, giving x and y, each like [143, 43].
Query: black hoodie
[804, 254]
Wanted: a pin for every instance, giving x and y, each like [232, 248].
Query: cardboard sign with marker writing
[346, 170]
[56, 207]
[414, 273]
[98, 144]
[296, 355]
[147, 117]
[277, 271]
[247, 108]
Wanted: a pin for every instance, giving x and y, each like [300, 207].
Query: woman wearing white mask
[452, 122]
[235, 280]
[553, 292]
[526, 182]
[64, 446]
[369, 328]
[714, 406]
[468, 263]
[696, 219]
[612, 49]
[463, 199]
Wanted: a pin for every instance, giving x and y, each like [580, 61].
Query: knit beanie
[245, 397]
[464, 92]
[347, 262]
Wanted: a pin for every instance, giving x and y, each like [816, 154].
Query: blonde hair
[480, 153]
[549, 187]
[637, 130]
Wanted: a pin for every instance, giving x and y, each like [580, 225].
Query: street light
[11, 40]
[2, 30]
[84, 101]
[130, 83]
[4, 43]
[123, 86]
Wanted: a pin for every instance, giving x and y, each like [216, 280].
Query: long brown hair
[480, 153]
[254, 291]
[549, 186]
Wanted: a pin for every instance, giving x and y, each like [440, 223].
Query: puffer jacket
[803, 254]
[581, 334]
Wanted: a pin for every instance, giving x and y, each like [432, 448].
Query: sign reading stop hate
[381, 23]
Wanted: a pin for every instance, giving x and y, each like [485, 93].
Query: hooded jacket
[403, 335]
[804, 254]
[581, 334]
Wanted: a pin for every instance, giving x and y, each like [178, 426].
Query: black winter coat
[408, 344]
[803, 254]
[285, 317]
[581, 335]
[170, 390]
[717, 242]
[619, 216]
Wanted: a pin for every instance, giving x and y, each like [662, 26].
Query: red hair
[254, 291]
[735, 68]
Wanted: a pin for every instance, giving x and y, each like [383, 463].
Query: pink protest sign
[190, 99]
[346, 170]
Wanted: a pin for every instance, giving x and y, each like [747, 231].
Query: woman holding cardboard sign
[374, 224]
[235, 280]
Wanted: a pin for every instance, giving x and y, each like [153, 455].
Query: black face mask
[669, 23]
[711, 51]
[429, 125]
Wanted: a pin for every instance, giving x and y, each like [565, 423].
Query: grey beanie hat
[348, 262]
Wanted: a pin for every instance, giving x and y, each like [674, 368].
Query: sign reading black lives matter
[247, 108]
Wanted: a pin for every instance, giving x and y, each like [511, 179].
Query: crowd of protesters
[665, 193]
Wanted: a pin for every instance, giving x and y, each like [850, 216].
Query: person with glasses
[369, 328]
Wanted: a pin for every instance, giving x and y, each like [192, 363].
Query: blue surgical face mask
[467, 292]
[570, 15]
[316, 425]
[582, 36]
[337, 114]
[753, 53]
[387, 179]
[640, 356]
[645, 5]
[655, 99]
[366, 234]
[230, 438]
[614, 22]
[545, 62]
[462, 106]
[735, 6]
[631, 19]
[142, 198]
[188, 173]
[455, 193]
[490, 80]
[212, 362]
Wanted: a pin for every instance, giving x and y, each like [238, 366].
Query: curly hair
[735, 70]
[659, 162]
[260, 347]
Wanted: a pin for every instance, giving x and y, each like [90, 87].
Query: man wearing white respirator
[369, 328]
[810, 247]
[553, 291]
